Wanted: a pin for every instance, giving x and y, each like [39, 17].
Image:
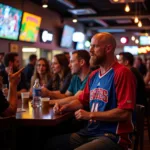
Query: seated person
[41, 72]
[127, 59]
[11, 61]
[8, 108]
[61, 75]
[79, 65]
[29, 69]
[110, 94]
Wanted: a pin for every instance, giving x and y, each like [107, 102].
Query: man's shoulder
[120, 69]
[94, 73]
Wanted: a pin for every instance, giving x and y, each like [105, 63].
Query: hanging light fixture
[140, 24]
[45, 3]
[133, 38]
[137, 41]
[127, 8]
[136, 19]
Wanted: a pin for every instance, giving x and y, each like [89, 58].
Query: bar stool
[139, 127]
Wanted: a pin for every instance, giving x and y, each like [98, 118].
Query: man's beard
[97, 60]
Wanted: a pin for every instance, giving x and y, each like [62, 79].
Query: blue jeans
[77, 142]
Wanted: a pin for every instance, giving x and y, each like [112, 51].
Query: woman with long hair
[41, 72]
[61, 74]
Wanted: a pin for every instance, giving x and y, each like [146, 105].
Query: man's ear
[82, 62]
[109, 48]
[126, 62]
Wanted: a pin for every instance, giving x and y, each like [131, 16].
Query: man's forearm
[72, 106]
[56, 95]
[112, 115]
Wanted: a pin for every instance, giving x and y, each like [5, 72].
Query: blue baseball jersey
[114, 89]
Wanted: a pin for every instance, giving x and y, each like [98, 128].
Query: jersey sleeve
[125, 83]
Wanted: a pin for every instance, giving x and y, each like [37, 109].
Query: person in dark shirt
[127, 59]
[29, 69]
[8, 108]
[12, 64]
[140, 66]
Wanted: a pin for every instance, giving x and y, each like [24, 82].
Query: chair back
[139, 127]
[7, 133]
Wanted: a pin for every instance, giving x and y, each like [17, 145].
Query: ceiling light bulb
[136, 19]
[133, 38]
[74, 20]
[44, 5]
[115, 0]
[140, 24]
[137, 41]
[127, 8]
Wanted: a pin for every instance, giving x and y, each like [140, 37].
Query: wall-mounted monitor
[66, 39]
[144, 40]
[30, 27]
[131, 49]
[10, 19]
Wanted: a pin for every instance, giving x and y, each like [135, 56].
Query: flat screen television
[10, 20]
[29, 27]
[66, 39]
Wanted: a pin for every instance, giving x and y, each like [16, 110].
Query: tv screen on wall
[10, 19]
[29, 27]
[66, 39]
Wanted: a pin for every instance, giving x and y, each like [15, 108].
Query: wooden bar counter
[40, 116]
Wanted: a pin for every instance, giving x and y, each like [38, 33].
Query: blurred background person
[147, 77]
[41, 72]
[2, 67]
[127, 59]
[12, 64]
[67, 55]
[138, 63]
[29, 69]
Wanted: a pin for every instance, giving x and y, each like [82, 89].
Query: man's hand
[14, 78]
[82, 114]
[53, 102]
[44, 91]
[58, 109]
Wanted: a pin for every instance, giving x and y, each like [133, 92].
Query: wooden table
[39, 116]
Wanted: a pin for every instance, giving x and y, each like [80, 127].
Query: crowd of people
[100, 88]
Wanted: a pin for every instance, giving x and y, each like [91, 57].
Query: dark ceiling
[109, 15]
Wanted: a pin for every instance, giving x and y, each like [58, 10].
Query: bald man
[110, 94]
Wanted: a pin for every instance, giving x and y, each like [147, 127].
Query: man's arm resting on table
[66, 99]
[56, 95]
[72, 106]
[115, 114]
